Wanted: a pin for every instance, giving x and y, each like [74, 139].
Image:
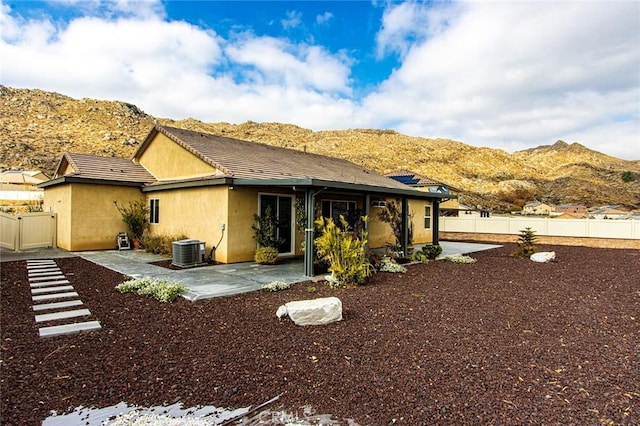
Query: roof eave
[77, 179]
[188, 184]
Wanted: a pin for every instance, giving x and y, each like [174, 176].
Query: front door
[281, 207]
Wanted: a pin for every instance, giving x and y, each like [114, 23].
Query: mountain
[38, 126]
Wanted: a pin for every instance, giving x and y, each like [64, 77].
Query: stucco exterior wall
[196, 213]
[165, 159]
[87, 216]
[381, 234]
[57, 199]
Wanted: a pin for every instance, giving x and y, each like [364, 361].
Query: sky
[511, 75]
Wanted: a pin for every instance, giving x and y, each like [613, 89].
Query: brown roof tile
[251, 160]
[107, 168]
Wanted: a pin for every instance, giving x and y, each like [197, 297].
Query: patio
[225, 280]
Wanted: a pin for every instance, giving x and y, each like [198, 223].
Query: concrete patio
[207, 281]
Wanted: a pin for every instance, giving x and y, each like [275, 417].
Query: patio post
[436, 222]
[310, 205]
[404, 243]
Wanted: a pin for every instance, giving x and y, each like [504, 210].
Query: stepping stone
[62, 315]
[69, 328]
[43, 269]
[40, 262]
[51, 283]
[51, 289]
[54, 296]
[44, 274]
[49, 277]
[57, 305]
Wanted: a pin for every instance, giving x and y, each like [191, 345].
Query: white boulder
[312, 312]
[543, 256]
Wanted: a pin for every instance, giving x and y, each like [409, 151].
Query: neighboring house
[210, 187]
[19, 185]
[571, 209]
[537, 208]
[450, 205]
[610, 212]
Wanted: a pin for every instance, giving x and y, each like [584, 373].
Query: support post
[367, 212]
[404, 243]
[309, 235]
[435, 214]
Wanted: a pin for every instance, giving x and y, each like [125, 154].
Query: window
[334, 209]
[427, 217]
[154, 210]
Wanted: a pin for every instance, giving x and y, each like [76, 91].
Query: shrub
[420, 257]
[264, 229]
[160, 244]
[392, 267]
[135, 216]
[455, 258]
[526, 243]
[276, 286]
[162, 290]
[392, 214]
[266, 255]
[344, 251]
[628, 176]
[431, 251]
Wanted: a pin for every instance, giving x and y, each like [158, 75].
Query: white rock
[543, 256]
[312, 312]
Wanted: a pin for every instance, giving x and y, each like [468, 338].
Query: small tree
[135, 216]
[392, 214]
[526, 243]
[265, 230]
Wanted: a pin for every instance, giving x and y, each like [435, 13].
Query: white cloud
[293, 20]
[324, 18]
[521, 74]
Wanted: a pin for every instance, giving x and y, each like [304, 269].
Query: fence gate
[27, 230]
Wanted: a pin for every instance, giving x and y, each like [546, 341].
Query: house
[610, 212]
[572, 209]
[21, 186]
[450, 205]
[537, 208]
[210, 187]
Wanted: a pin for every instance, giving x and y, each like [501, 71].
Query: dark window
[154, 210]
[427, 217]
[334, 209]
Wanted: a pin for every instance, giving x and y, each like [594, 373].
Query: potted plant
[135, 216]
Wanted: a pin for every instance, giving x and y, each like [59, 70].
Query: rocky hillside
[37, 127]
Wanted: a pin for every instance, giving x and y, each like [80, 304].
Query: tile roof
[240, 159]
[106, 168]
[413, 179]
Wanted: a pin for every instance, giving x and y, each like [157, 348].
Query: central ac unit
[188, 253]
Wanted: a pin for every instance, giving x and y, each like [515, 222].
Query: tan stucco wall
[165, 159]
[380, 233]
[196, 213]
[87, 216]
[57, 199]
[243, 205]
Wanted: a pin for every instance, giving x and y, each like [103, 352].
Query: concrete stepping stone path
[50, 291]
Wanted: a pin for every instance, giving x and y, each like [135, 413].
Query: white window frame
[427, 216]
[154, 211]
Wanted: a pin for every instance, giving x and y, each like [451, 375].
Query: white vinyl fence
[589, 228]
[27, 230]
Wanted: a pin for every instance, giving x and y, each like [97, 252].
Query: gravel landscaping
[500, 341]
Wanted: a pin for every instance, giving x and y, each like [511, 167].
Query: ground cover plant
[501, 341]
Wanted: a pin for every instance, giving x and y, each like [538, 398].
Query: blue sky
[508, 75]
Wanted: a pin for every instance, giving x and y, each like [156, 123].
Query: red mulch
[502, 341]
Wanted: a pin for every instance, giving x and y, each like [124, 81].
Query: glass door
[281, 209]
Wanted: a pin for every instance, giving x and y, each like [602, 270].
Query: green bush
[160, 244]
[431, 251]
[264, 229]
[344, 251]
[135, 216]
[420, 257]
[162, 290]
[266, 255]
